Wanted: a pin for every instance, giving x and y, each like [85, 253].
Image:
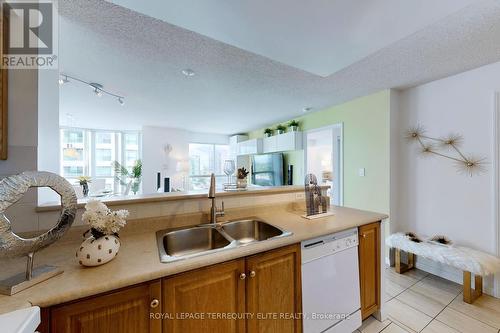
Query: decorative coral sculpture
[429, 145]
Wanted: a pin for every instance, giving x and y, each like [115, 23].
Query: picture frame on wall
[3, 91]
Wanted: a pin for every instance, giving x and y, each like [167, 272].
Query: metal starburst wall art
[470, 165]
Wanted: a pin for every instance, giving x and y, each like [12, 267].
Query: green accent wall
[366, 123]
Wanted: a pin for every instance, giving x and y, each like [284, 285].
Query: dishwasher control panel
[326, 245]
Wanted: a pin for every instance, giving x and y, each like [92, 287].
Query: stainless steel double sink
[205, 239]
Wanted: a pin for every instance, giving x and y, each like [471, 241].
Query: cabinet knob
[154, 303]
[252, 274]
[364, 235]
[243, 276]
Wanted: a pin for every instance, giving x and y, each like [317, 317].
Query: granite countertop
[138, 260]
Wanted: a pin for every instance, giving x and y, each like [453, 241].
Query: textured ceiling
[320, 37]
[234, 90]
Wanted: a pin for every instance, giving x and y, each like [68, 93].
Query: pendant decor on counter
[430, 145]
[103, 243]
[12, 190]
[316, 203]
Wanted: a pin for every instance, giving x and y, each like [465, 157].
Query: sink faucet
[214, 211]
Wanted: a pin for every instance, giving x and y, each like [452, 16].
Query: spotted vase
[96, 252]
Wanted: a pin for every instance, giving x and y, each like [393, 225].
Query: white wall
[154, 139]
[430, 196]
[48, 129]
[22, 145]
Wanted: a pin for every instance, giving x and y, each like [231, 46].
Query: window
[86, 152]
[72, 154]
[103, 155]
[205, 159]
[73, 171]
[131, 139]
[74, 160]
[131, 149]
[104, 138]
[73, 136]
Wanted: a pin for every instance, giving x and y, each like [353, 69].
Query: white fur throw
[463, 258]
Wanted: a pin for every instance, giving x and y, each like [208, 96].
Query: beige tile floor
[421, 302]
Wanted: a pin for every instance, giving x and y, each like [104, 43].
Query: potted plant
[103, 243]
[84, 183]
[131, 180]
[268, 132]
[293, 125]
[281, 128]
[242, 177]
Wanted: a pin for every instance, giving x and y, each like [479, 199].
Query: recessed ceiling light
[307, 109]
[188, 72]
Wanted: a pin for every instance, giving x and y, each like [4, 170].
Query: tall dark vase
[85, 189]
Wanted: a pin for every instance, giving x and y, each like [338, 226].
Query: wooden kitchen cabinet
[274, 287]
[266, 283]
[201, 300]
[123, 311]
[218, 289]
[369, 268]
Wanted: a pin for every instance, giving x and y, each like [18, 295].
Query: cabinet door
[119, 312]
[274, 288]
[285, 141]
[369, 268]
[203, 294]
[269, 144]
[289, 141]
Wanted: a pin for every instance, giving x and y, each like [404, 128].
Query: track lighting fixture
[97, 88]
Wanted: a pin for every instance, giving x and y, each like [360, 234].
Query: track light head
[121, 101]
[98, 88]
[63, 80]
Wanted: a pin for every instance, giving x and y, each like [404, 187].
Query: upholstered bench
[470, 261]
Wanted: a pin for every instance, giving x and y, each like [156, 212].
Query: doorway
[324, 158]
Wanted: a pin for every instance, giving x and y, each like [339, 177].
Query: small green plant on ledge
[293, 125]
[281, 128]
[268, 132]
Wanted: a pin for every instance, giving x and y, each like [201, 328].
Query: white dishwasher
[330, 283]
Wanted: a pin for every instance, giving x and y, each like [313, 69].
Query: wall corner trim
[496, 180]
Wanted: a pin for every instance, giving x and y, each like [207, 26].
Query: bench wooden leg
[402, 267]
[470, 294]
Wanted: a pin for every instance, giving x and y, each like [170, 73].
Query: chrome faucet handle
[220, 211]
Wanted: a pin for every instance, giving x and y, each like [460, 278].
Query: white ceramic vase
[96, 252]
